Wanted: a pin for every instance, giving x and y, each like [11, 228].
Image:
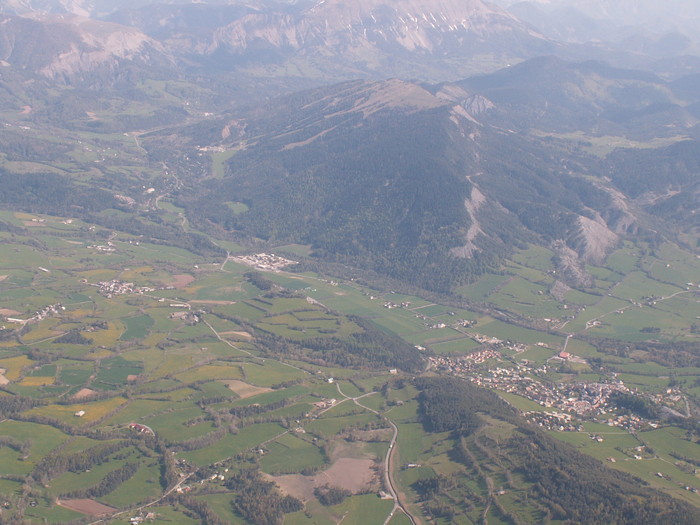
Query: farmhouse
[141, 429]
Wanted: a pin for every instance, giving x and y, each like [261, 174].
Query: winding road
[389, 481]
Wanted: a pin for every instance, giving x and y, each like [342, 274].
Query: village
[116, 287]
[45, 312]
[268, 262]
[568, 403]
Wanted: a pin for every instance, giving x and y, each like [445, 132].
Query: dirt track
[351, 474]
[86, 506]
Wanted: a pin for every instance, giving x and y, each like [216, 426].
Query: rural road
[139, 509]
[229, 343]
[388, 460]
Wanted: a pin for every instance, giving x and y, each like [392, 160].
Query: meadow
[231, 373]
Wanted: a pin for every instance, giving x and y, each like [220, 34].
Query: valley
[174, 367]
[358, 262]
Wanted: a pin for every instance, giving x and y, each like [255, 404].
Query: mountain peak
[67, 46]
[360, 35]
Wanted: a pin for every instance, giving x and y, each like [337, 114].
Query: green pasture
[74, 373]
[171, 424]
[530, 299]
[534, 257]
[348, 388]
[144, 486]
[401, 322]
[289, 282]
[613, 442]
[172, 362]
[181, 395]
[400, 518]
[328, 427]
[523, 404]
[433, 336]
[113, 373]
[581, 298]
[533, 275]
[414, 444]
[221, 505]
[71, 481]
[137, 327]
[273, 397]
[289, 327]
[364, 510]
[170, 514]
[270, 373]
[600, 311]
[231, 445]
[43, 438]
[584, 349]
[291, 412]
[675, 266]
[213, 371]
[138, 409]
[667, 440]
[11, 463]
[187, 333]
[637, 285]
[481, 289]
[350, 303]
[673, 479]
[247, 311]
[504, 331]
[215, 389]
[623, 260]
[290, 455]
[50, 514]
[628, 324]
[344, 407]
[375, 402]
[646, 383]
[43, 371]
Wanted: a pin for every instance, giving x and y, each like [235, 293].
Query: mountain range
[429, 180]
[299, 44]
[505, 176]
[430, 183]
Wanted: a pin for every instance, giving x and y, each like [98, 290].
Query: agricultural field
[178, 373]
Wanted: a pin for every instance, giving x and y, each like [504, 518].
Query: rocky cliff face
[439, 26]
[70, 48]
[363, 34]
[429, 176]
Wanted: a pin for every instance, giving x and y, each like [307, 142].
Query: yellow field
[25, 216]
[98, 275]
[130, 275]
[74, 315]
[66, 413]
[14, 366]
[150, 358]
[37, 381]
[99, 353]
[245, 390]
[172, 363]
[107, 337]
[153, 339]
[42, 330]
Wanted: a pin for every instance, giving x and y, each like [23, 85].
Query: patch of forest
[512, 460]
